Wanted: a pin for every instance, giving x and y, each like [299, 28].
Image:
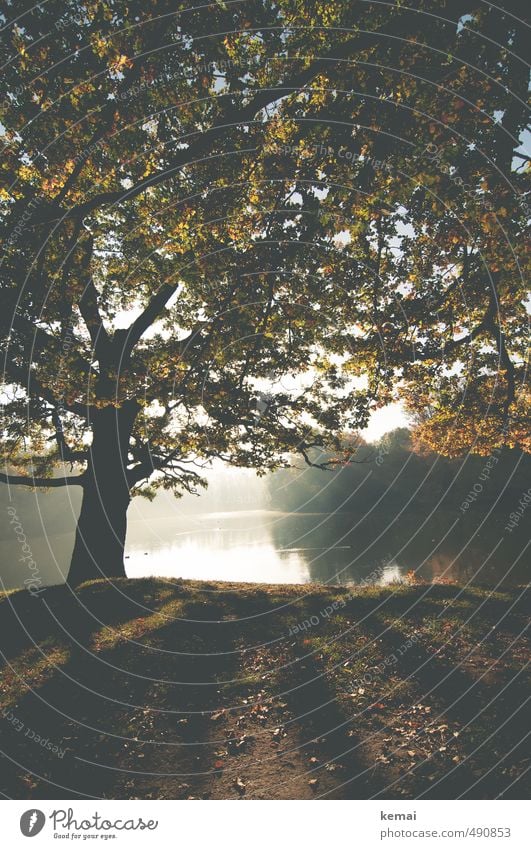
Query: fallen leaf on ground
[240, 786]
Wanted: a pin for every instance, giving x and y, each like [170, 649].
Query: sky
[388, 418]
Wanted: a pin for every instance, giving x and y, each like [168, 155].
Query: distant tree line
[393, 476]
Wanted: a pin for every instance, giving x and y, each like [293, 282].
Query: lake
[173, 538]
[333, 548]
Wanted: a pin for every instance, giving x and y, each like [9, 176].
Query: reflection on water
[274, 547]
[378, 545]
[236, 546]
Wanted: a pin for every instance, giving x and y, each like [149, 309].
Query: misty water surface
[235, 532]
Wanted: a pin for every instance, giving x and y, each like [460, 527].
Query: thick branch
[146, 318]
[88, 307]
[24, 378]
[23, 480]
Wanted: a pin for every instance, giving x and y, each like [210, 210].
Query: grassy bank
[180, 689]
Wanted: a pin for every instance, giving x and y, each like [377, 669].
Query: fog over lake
[278, 529]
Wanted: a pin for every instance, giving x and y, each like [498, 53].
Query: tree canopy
[241, 227]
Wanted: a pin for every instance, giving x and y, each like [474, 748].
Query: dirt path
[235, 737]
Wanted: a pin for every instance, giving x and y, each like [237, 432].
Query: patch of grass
[385, 691]
[31, 670]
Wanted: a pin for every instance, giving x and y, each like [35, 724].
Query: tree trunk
[101, 528]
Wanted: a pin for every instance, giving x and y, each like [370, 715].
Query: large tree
[233, 230]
